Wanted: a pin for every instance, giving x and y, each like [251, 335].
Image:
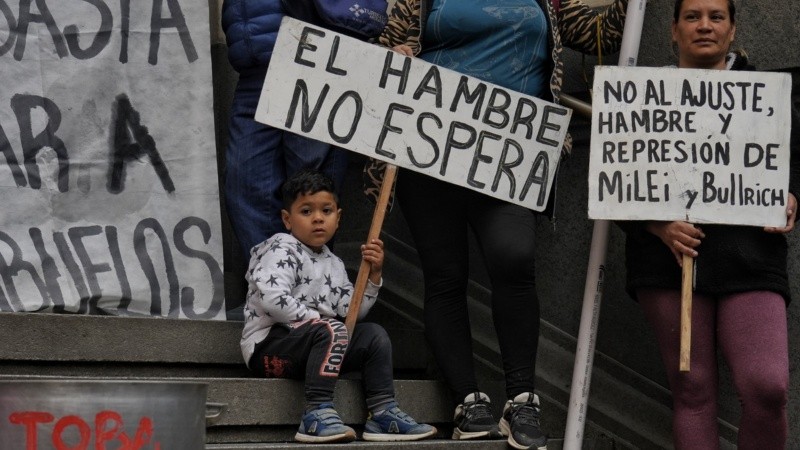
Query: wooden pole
[374, 233]
[686, 312]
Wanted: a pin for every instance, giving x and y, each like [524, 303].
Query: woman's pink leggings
[750, 329]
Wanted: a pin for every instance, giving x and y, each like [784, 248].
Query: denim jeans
[258, 160]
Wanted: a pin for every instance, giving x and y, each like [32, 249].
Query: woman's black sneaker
[520, 422]
[474, 420]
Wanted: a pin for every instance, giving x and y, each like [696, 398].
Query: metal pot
[114, 414]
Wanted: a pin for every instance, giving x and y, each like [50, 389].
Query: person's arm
[403, 26]
[578, 26]
[275, 279]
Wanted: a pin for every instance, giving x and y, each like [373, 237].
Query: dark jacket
[251, 27]
[731, 259]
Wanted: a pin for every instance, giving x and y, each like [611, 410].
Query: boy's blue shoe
[395, 425]
[323, 424]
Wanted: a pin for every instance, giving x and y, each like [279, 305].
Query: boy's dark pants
[319, 350]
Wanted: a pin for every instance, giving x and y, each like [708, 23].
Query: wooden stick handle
[374, 233]
[686, 312]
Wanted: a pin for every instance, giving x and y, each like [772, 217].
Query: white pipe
[593, 289]
[632, 35]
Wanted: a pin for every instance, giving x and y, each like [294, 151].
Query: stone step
[47, 337]
[602, 443]
[429, 444]
[147, 346]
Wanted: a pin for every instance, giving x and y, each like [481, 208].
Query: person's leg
[505, 233]
[313, 351]
[370, 352]
[752, 333]
[436, 215]
[317, 348]
[694, 393]
[253, 169]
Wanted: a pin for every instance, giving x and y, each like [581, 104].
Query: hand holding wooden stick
[374, 233]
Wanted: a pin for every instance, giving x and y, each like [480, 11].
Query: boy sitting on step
[298, 296]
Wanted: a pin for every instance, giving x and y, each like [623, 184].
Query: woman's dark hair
[678, 3]
[306, 181]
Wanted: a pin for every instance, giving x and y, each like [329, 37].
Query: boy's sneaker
[520, 422]
[474, 420]
[323, 424]
[395, 425]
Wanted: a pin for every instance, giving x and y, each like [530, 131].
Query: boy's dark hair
[306, 181]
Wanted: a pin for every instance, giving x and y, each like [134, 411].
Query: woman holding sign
[515, 44]
[742, 287]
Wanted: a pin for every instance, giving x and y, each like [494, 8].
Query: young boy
[297, 300]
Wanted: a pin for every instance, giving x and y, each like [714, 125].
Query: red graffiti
[29, 419]
[108, 429]
[84, 432]
[276, 367]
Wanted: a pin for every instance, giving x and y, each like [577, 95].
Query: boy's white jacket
[288, 283]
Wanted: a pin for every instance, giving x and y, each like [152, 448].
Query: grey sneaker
[474, 420]
[520, 422]
[323, 424]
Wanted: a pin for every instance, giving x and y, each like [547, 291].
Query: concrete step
[52, 338]
[78, 345]
[429, 444]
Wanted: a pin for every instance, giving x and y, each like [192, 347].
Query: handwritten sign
[108, 169]
[419, 116]
[704, 146]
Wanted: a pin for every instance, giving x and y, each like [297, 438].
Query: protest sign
[377, 102]
[703, 146]
[108, 169]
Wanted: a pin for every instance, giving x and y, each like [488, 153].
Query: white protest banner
[377, 102]
[108, 171]
[704, 146]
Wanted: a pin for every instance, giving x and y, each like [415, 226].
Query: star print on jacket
[289, 283]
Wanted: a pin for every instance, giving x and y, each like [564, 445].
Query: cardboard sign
[704, 146]
[108, 170]
[377, 102]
